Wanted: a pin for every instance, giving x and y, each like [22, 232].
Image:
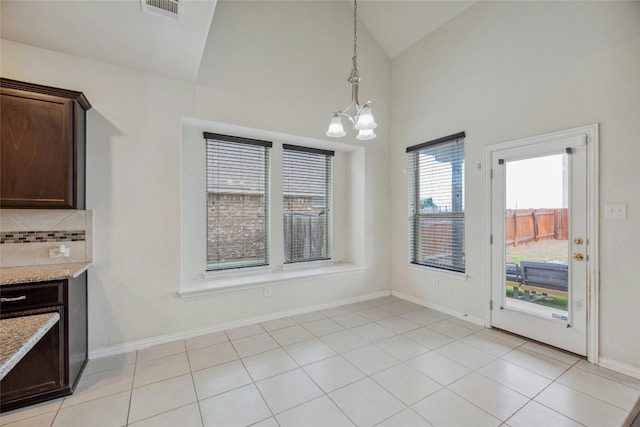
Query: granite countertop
[19, 335]
[41, 273]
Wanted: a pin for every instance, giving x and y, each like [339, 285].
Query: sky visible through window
[530, 183]
[438, 190]
[536, 183]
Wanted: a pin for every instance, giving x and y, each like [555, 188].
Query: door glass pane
[536, 236]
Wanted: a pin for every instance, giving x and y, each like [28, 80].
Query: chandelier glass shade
[358, 114]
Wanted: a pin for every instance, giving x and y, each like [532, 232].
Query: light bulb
[335, 127]
[365, 119]
[365, 134]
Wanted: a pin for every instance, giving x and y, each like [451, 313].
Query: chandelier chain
[358, 114]
[354, 72]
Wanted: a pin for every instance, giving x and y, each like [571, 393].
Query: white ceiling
[398, 24]
[119, 32]
[113, 31]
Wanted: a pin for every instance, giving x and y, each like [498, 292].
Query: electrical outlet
[60, 252]
[266, 291]
[436, 283]
[617, 211]
[54, 253]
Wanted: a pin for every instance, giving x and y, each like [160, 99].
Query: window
[237, 202]
[306, 175]
[436, 203]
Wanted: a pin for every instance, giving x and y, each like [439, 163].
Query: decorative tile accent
[42, 236]
[26, 235]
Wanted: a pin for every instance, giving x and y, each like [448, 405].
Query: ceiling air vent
[167, 8]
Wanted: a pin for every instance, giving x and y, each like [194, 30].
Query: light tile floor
[383, 362]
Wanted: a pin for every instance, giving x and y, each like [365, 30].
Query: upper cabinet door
[42, 149]
[37, 151]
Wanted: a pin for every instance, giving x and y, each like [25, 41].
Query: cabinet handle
[20, 298]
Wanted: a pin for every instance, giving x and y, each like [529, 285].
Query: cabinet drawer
[23, 297]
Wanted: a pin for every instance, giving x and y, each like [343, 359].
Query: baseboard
[163, 339]
[475, 320]
[620, 367]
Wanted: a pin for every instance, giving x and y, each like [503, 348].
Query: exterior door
[539, 225]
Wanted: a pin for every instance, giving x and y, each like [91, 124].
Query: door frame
[592, 249]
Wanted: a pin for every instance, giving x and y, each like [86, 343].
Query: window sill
[437, 271]
[213, 285]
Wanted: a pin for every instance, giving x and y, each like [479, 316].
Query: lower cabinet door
[40, 371]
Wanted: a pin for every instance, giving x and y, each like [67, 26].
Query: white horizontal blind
[238, 171]
[436, 203]
[307, 183]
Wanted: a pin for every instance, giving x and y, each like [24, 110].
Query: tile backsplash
[42, 236]
[26, 235]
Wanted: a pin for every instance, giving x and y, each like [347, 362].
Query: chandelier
[358, 114]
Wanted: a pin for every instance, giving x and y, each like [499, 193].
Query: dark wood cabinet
[42, 156]
[53, 366]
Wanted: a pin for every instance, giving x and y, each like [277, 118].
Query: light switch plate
[617, 211]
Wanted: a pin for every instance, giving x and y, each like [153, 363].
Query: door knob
[578, 256]
[578, 241]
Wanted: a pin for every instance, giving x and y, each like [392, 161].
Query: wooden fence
[305, 237]
[527, 225]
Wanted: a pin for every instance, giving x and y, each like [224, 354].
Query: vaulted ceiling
[120, 32]
[398, 24]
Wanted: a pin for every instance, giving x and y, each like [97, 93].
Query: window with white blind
[237, 201]
[307, 183]
[436, 203]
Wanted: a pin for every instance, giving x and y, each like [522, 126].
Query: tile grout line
[464, 376]
[608, 378]
[358, 369]
[592, 396]
[551, 409]
[520, 346]
[53, 420]
[133, 381]
[400, 362]
[474, 371]
[193, 382]
[320, 338]
[553, 381]
[252, 379]
[301, 367]
[324, 393]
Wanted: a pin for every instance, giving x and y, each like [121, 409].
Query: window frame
[349, 208]
[458, 263]
[328, 237]
[240, 265]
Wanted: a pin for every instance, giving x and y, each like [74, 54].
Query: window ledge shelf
[438, 272]
[272, 278]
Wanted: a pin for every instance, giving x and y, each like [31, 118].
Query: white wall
[507, 70]
[133, 165]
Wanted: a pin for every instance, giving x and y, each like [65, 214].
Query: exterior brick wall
[234, 235]
[239, 236]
